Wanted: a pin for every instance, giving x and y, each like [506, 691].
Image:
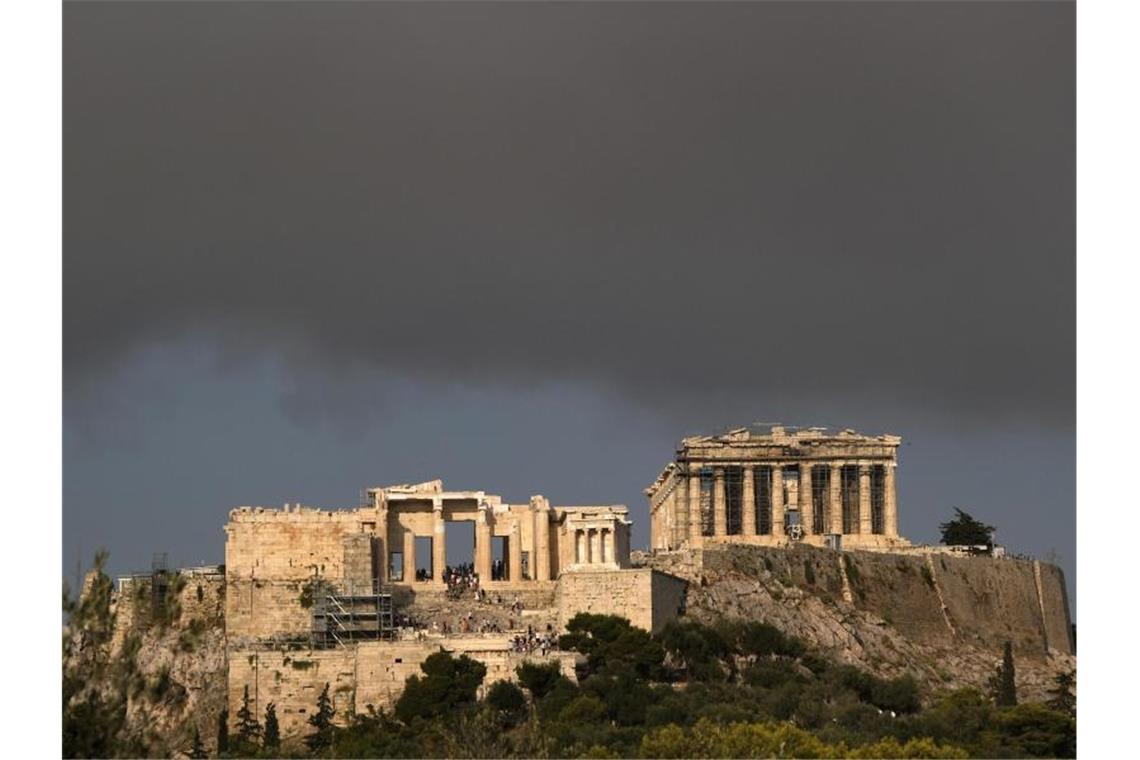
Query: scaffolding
[340, 618]
[820, 500]
[734, 500]
[159, 582]
[849, 490]
[878, 497]
[763, 497]
[707, 486]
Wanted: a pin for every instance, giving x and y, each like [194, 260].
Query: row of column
[540, 552]
[805, 501]
[593, 546]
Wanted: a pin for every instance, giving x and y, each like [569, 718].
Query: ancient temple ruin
[778, 486]
[538, 541]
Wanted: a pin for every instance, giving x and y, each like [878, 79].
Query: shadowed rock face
[942, 619]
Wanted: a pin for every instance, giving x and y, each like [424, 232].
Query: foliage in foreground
[741, 689]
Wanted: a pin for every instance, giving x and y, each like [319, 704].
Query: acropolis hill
[795, 528]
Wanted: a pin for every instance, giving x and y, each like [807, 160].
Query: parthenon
[774, 487]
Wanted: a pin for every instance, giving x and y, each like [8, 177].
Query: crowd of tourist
[534, 641]
[460, 580]
[463, 583]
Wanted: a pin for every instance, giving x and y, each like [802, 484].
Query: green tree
[698, 647]
[248, 729]
[321, 721]
[197, 751]
[964, 530]
[448, 683]
[540, 680]
[1062, 697]
[1003, 685]
[223, 732]
[1034, 730]
[612, 645]
[508, 701]
[272, 738]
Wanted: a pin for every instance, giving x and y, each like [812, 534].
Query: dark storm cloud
[869, 201]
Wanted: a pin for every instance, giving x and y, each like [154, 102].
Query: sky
[311, 248]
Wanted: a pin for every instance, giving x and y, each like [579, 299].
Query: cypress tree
[272, 738]
[197, 751]
[223, 732]
[1005, 686]
[321, 720]
[1061, 696]
[248, 727]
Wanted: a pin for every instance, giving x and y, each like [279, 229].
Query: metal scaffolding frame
[341, 617]
[734, 500]
[849, 497]
[820, 500]
[707, 488]
[878, 497]
[762, 493]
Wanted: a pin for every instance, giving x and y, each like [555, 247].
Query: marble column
[607, 541]
[748, 499]
[541, 559]
[720, 515]
[778, 499]
[382, 545]
[516, 553]
[438, 543]
[483, 543]
[695, 506]
[835, 498]
[595, 546]
[409, 556]
[890, 501]
[807, 504]
[865, 499]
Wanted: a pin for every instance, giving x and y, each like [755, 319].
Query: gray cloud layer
[817, 201]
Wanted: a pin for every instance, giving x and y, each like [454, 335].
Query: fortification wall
[1055, 609]
[648, 598]
[668, 595]
[272, 555]
[264, 609]
[369, 673]
[293, 545]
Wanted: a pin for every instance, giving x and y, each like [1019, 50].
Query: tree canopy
[964, 530]
[448, 683]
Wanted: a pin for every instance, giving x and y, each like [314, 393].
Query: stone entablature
[778, 486]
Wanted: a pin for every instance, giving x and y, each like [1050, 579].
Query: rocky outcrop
[159, 671]
[942, 619]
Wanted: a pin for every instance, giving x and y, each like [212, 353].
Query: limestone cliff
[148, 668]
[944, 619]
